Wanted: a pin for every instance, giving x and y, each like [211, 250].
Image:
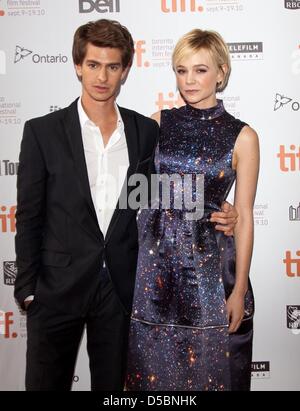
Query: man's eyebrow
[106, 64]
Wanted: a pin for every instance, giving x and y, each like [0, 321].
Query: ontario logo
[22, 53]
[282, 100]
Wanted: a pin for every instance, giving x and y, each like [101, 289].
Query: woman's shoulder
[165, 114]
[156, 116]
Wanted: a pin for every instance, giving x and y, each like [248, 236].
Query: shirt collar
[85, 121]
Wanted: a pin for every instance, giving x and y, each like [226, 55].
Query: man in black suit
[76, 248]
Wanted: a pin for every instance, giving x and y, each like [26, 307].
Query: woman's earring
[219, 84]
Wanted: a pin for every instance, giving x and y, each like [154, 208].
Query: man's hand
[225, 219]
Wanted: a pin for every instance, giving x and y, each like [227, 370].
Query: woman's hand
[235, 311]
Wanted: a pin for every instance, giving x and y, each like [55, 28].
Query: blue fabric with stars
[186, 269]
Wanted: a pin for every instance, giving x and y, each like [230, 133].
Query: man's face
[101, 73]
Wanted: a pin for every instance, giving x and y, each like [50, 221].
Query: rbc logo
[101, 6]
[6, 322]
[2, 62]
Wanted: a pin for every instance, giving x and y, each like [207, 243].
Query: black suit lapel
[73, 131]
[132, 139]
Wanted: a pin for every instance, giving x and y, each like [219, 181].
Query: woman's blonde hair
[211, 41]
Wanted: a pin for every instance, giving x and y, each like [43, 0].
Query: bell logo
[2, 62]
[289, 161]
[8, 219]
[6, 322]
[101, 6]
[292, 264]
[140, 49]
[173, 6]
[170, 102]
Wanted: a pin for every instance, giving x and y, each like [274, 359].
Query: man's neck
[99, 112]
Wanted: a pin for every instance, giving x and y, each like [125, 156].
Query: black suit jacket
[59, 246]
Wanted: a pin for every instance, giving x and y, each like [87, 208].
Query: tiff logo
[6, 322]
[2, 62]
[174, 6]
[8, 219]
[168, 102]
[289, 161]
[292, 265]
[140, 50]
[101, 6]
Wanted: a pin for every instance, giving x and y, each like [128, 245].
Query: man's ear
[125, 74]
[78, 68]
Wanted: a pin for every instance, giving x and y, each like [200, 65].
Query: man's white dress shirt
[107, 165]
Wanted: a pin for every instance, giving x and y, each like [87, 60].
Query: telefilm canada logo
[246, 50]
[21, 53]
[260, 369]
[9, 272]
[100, 6]
[293, 318]
[292, 5]
[281, 100]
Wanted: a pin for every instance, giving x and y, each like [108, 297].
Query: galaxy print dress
[179, 336]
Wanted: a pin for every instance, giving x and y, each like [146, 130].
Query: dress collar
[205, 114]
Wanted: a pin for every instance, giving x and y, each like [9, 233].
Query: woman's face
[197, 76]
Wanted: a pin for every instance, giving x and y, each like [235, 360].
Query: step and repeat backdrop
[37, 77]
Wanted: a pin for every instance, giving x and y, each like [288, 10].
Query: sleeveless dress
[179, 336]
